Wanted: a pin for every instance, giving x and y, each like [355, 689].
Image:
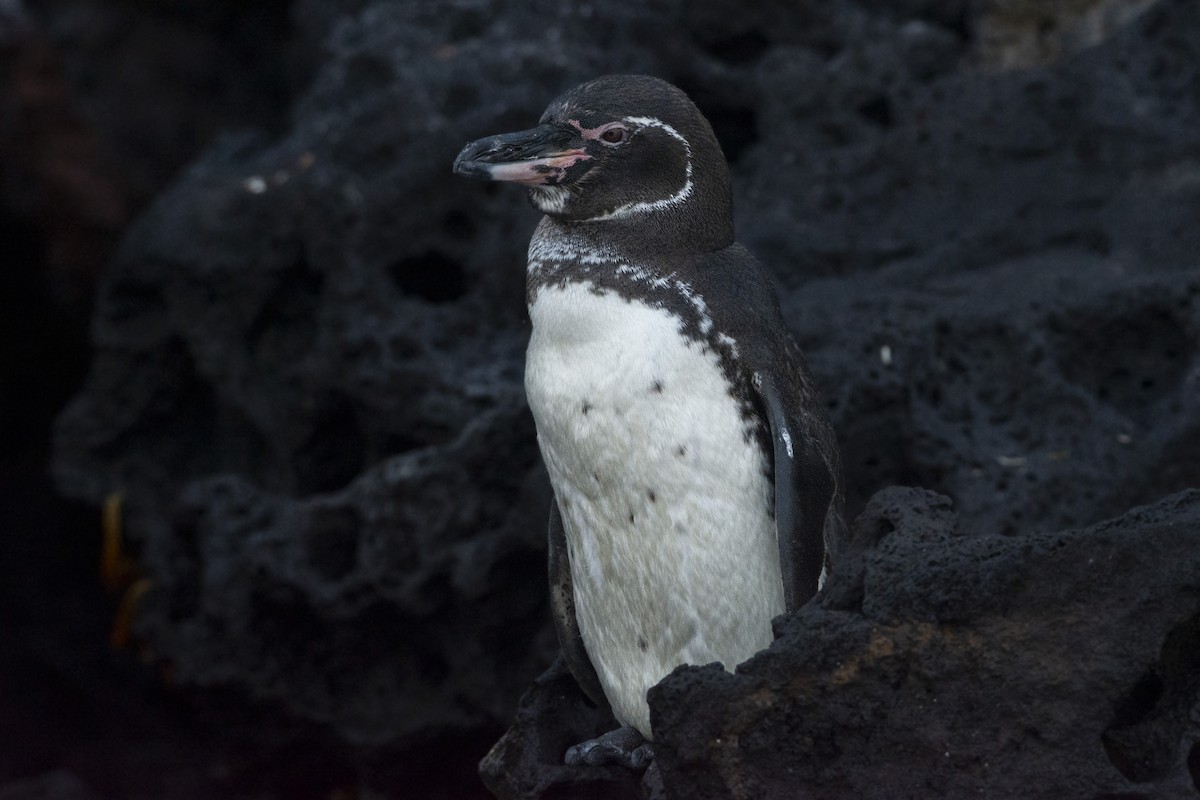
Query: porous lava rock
[944, 663]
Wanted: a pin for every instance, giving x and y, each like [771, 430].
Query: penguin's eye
[614, 135]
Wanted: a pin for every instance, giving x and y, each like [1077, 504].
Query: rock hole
[657, 388]
[283, 330]
[467, 23]
[432, 276]
[961, 23]
[282, 619]
[1149, 720]
[877, 111]
[1145, 359]
[642, 644]
[130, 297]
[183, 601]
[184, 418]
[735, 125]
[740, 48]
[458, 225]
[736, 129]
[1139, 700]
[367, 72]
[401, 442]
[334, 452]
[872, 532]
[331, 542]
[460, 98]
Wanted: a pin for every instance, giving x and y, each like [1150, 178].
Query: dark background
[239, 285]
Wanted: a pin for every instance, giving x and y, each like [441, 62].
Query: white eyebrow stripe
[685, 191]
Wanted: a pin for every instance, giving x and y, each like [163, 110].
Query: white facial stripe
[685, 191]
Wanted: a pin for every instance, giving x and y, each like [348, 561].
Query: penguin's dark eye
[613, 135]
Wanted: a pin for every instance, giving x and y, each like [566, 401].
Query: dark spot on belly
[681, 451]
[657, 387]
[642, 644]
[653, 497]
[586, 407]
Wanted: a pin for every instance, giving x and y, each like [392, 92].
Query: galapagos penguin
[695, 476]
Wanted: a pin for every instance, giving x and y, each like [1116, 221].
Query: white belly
[665, 502]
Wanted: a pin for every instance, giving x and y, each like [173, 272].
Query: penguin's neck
[638, 242]
[561, 253]
[555, 245]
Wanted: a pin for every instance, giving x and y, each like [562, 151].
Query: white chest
[665, 501]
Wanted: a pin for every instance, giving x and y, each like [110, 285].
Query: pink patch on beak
[537, 171]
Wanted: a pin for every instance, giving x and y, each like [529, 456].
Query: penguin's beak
[548, 154]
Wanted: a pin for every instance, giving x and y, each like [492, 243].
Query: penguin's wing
[562, 606]
[804, 488]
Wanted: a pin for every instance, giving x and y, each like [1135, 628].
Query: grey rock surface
[308, 351]
[953, 664]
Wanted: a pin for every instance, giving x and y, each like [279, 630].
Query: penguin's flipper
[804, 487]
[562, 606]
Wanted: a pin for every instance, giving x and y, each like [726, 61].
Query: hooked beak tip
[463, 163]
[470, 161]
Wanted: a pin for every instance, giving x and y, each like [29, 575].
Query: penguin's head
[618, 151]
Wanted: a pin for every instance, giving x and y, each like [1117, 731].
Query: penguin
[695, 476]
